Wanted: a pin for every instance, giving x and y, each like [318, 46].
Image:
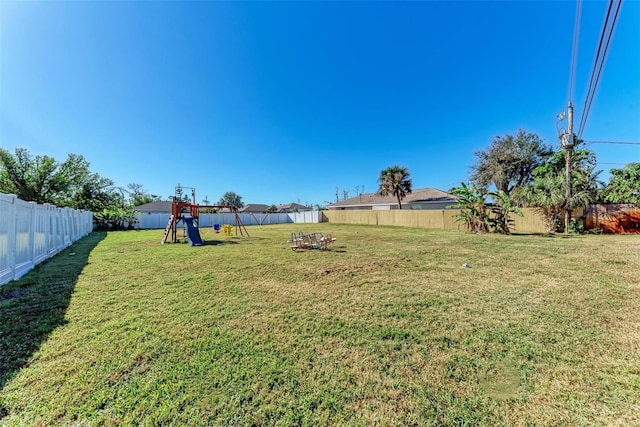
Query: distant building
[293, 207]
[424, 198]
[155, 207]
[254, 208]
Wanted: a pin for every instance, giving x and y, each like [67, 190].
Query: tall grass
[386, 328]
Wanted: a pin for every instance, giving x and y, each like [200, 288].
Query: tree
[548, 195]
[139, 196]
[96, 194]
[42, 179]
[231, 199]
[478, 215]
[116, 218]
[180, 196]
[395, 180]
[501, 211]
[548, 191]
[472, 203]
[32, 179]
[624, 185]
[509, 161]
[272, 209]
[584, 177]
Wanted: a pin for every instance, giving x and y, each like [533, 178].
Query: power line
[607, 33]
[576, 31]
[612, 142]
[595, 65]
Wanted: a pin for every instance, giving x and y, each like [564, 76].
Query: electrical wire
[612, 142]
[574, 51]
[595, 63]
[605, 39]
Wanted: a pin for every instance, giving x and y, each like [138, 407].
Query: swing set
[189, 214]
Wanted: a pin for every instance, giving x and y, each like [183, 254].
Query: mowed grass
[386, 328]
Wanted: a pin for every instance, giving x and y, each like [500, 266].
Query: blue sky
[286, 101]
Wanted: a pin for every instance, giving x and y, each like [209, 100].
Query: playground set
[189, 214]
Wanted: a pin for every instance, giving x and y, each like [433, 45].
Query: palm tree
[548, 195]
[395, 180]
[474, 213]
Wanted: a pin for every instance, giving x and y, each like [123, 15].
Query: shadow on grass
[34, 306]
[218, 242]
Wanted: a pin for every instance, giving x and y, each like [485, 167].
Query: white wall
[159, 220]
[31, 233]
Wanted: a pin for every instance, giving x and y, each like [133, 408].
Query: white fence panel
[305, 217]
[31, 233]
[7, 237]
[154, 220]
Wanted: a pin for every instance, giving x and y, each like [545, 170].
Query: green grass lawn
[386, 328]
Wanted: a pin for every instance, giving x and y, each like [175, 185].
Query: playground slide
[193, 234]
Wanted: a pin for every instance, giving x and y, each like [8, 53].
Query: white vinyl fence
[159, 220]
[31, 233]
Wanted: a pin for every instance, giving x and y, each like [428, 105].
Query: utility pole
[567, 140]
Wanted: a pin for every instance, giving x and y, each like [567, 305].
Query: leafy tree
[42, 179]
[548, 195]
[501, 210]
[548, 192]
[139, 196]
[32, 179]
[231, 199]
[272, 209]
[95, 195]
[624, 185]
[395, 180]
[471, 200]
[478, 215]
[584, 177]
[116, 218]
[509, 161]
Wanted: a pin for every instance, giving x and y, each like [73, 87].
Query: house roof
[254, 208]
[293, 206]
[421, 195]
[164, 206]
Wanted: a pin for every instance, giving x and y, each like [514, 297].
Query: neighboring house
[423, 198]
[155, 207]
[293, 207]
[254, 208]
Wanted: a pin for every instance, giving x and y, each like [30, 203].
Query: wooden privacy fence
[619, 219]
[444, 219]
[31, 233]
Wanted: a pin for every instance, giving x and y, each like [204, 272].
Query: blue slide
[193, 234]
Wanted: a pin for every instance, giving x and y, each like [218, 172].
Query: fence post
[11, 243]
[32, 232]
